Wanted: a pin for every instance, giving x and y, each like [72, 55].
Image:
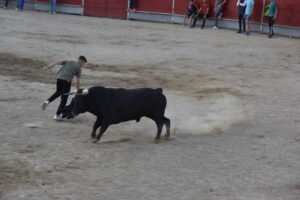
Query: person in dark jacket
[132, 6]
[5, 4]
[191, 12]
[241, 4]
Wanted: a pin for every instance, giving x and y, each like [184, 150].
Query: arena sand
[233, 101]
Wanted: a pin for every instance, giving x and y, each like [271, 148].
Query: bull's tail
[162, 100]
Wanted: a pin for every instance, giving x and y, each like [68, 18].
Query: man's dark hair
[83, 59]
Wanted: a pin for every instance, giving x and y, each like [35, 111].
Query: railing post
[262, 16]
[173, 10]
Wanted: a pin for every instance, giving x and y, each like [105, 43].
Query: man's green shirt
[69, 70]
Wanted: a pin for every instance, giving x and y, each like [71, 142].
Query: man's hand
[45, 67]
[51, 65]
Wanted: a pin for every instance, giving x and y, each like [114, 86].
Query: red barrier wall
[161, 6]
[106, 8]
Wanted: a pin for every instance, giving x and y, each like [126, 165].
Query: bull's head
[80, 102]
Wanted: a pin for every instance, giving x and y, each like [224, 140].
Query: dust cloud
[208, 116]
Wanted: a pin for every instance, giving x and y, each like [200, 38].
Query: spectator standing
[52, 7]
[219, 5]
[192, 10]
[132, 6]
[202, 13]
[272, 16]
[248, 13]
[20, 5]
[241, 4]
[5, 4]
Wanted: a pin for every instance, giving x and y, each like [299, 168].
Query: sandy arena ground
[233, 101]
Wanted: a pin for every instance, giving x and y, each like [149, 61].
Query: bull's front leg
[97, 124]
[103, 128]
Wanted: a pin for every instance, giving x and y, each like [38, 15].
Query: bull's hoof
[95, 140]
[156, 141]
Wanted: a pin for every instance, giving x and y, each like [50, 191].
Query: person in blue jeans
[52, 7]
[20, 5]
[248, 13]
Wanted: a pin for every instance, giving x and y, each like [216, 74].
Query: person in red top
[202, 13]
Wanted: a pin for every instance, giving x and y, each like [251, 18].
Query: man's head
[204, 1]
[191, 2]
[82, 61]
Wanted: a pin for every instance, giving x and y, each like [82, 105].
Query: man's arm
[238, 3]
[275, 14]
[207, 10]
[77, 82]
[199, 10]
[223, 3]
[52, 65]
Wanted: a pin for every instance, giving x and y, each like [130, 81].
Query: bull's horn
[85, 91]
[82, 92]
[70, 93]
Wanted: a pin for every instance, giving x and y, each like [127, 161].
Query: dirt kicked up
[232, 100]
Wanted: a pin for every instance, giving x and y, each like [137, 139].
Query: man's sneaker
[57, 117]
[45, 104]
[215, 28]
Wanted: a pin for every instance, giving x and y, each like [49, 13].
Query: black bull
[113, 106]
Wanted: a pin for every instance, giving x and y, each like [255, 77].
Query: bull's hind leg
[96, 126]
[159, 125]
[167, 122]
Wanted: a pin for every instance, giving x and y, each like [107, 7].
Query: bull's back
[132, 104]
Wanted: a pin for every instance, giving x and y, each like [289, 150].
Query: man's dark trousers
[62, 87]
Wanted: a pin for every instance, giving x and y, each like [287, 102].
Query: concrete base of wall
[225, 23]
[69, 9]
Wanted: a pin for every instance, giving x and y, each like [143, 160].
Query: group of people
[245, 11]
[20, 5]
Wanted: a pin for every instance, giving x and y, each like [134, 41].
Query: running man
[64, 80]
